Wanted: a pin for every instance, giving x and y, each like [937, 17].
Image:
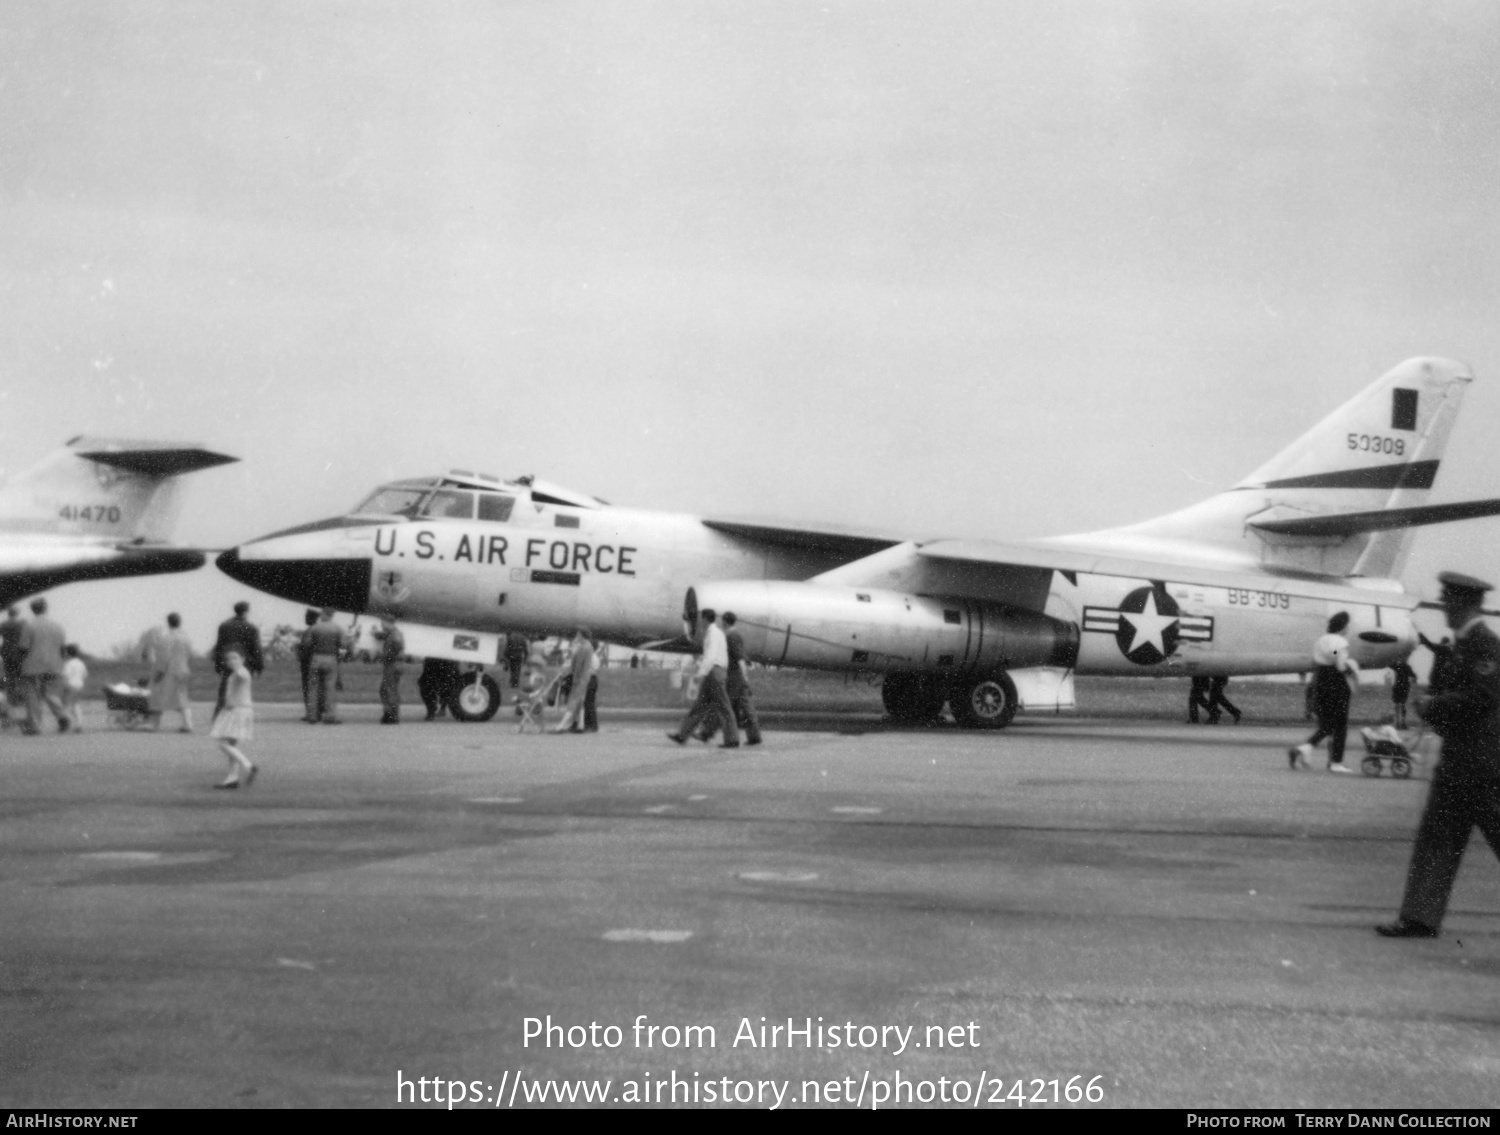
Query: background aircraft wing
[153, 459]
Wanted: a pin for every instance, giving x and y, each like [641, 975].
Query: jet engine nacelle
[821, 627]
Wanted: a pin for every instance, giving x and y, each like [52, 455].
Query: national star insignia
[1148, 625]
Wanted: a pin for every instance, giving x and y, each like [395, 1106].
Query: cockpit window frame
[418, 493]
[507, 501]
[424, 512]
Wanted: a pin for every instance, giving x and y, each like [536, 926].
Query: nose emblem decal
[391, 587]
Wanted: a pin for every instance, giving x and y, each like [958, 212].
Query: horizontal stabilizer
[157, 461]
[1383, 520]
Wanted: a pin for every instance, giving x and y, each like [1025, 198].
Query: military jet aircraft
[1241, 583]
[99, 508]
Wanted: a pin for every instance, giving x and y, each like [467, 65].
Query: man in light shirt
[43, 640]
[169, 653]
[713, 668]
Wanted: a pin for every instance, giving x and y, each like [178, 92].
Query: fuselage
[502, 558]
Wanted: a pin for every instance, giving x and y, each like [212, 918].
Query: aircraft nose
[343, 584]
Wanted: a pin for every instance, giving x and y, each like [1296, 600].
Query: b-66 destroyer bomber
[1240, 583]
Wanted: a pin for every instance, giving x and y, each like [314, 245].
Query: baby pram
[129, 707]
[1387, 745]
[541, 690]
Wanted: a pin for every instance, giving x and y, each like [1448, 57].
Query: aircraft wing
[982, 557]
[837, 542]
[27, 570]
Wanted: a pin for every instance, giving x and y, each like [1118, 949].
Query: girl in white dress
[235, 723]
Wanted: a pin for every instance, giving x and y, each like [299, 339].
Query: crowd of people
[43, 672]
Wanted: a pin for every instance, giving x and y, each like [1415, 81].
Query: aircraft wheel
[896, 694]
[931, 696]
[913, 697]
[1370, 766]
[988, 703]
[476, 699]
[1401, 767]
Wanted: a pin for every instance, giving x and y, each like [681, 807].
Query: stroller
[129, 707]
[541, 691]
[1386, 744]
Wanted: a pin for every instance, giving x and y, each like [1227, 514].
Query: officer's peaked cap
[1460, 586]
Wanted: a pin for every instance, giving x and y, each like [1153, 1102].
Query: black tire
[476, 698]
[895, 695]
[913, 697]
[1370, 766]
[984, 703]
[1401, 768]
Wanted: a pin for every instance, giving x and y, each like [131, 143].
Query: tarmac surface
[1165, 912]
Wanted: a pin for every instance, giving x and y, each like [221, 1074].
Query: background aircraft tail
[1341, 500]
[108, 488]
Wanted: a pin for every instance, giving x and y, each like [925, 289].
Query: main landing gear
[914, 698]
[984, 702]
[477, 697]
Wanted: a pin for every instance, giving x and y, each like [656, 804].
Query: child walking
[74, 674]
[235, 723]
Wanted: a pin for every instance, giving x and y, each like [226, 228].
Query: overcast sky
[994, 269]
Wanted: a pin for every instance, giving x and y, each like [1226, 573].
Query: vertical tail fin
[1377, 452]
[1373, 462]
[103, 487]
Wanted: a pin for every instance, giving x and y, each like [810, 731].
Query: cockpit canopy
[462, 495]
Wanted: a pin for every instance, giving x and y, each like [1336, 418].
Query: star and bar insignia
[1148, 625]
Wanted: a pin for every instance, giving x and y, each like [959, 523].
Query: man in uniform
[242, 636]
[325, 643]
[304, 658]
[392, 647]
[516, 651]
[713, 669]
[1463, 707]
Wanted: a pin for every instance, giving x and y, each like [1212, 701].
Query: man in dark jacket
[1463, 707]
[737, 683]
[12, 653]
[243, 637]
[304, 659]
[392, 650]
